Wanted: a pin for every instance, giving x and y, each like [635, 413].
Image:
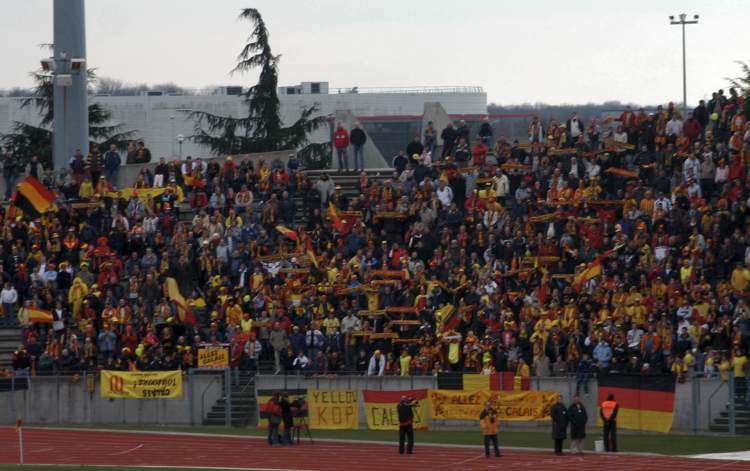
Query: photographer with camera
[287, 419]
[405, 411]
[273, 409]
[490, 427]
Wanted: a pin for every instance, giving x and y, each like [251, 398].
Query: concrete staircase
[742, 419]
[244, 405]
[10, 339]
[349, 186]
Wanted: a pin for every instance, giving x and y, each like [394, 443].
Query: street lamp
[180, 138]
[171, 120]
[682, 21]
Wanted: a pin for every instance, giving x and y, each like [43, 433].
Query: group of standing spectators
[467, 258]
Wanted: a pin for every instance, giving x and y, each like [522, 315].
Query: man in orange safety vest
[608, 413]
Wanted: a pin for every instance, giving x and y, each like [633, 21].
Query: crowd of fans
[618, 244]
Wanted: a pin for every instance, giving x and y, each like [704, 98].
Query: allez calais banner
[509, 405]
[380, 407]
[141, 384]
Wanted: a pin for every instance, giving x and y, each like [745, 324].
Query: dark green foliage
[27, 140]
[262, 129]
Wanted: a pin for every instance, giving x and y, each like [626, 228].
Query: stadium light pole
[682, 21]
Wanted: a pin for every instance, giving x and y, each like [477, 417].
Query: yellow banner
[382, 413]
[141, 384]
[448, 404]
[333, 409]
[213, 357]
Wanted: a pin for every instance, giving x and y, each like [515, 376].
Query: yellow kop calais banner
[448, 404]
[141, 384]
[213, 357]
[382, 413]
[333, 409]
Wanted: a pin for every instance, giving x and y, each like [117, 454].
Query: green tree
[26, 139]
[261, 130]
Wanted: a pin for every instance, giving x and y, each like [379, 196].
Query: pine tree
[262, 129]
[27, 140]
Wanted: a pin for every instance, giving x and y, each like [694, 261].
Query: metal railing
[701, 404]
[407, 90]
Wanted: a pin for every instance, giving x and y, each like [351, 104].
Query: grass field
[664, 444]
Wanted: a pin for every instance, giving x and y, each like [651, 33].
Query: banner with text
[333, 409]
[141, 384]
[380, 407]
[509, 405]
[213, 357]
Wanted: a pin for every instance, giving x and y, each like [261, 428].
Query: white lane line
[140, 445]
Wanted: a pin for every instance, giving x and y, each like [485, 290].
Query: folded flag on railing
[500, 381]
[646, 402]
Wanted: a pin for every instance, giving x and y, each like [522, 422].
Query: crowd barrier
[82, 399]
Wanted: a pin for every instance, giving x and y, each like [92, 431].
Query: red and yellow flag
[286, 232]
[35, 315]
[172, 292]
[34, 198]
[333, 213]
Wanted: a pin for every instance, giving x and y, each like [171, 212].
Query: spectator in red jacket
[692, 128]
[341, 143]
[479, 152]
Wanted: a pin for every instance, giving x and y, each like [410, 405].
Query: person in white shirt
[301, 362]
[445, 194]
[674, 127]
[634, 337]
[690, 168]
[722, 172]
[502, 185]
[377, 364]
[9, 298]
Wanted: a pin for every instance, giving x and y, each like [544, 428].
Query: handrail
[711, 396]
[203, 396]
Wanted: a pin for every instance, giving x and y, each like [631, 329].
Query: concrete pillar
[372, 155]
[71, 119]
[434, 111]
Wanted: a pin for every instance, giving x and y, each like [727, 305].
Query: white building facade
[159, 119]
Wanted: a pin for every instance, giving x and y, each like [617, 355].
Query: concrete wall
[683, 421]
[152, 116]
[370, 153]
[59, 400]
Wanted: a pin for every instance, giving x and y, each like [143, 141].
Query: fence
[76, 399]
[227, 397]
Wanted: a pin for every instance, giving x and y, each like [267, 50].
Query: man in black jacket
[358, 138]
[449, 137]
[578, 419]
[559, 415]
[406, 424]
[415, 147]
[287, 418]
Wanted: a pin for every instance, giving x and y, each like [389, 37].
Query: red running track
[76, 447]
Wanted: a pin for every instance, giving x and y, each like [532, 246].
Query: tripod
[301, 424]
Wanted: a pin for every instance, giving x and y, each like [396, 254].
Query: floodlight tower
[70, 127]
[683, 21]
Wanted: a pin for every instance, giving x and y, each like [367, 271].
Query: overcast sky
[573, 51]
